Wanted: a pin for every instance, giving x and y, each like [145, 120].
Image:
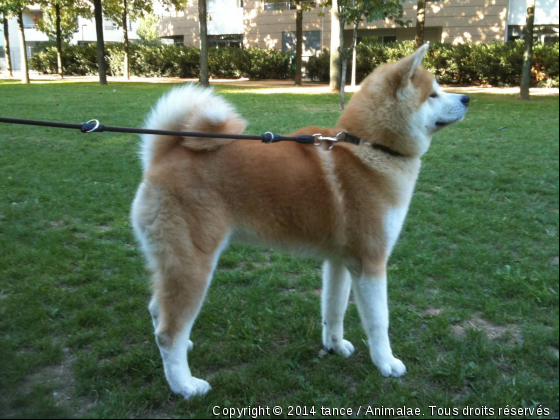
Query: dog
[344, 204]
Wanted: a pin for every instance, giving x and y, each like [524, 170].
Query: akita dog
[345, 205]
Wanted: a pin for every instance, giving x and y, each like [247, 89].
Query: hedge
[493, 64]
[465, 64]
[165, 61]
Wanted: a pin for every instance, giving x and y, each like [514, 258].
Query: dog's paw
[344, 348]
[193, 387]
[390, 366]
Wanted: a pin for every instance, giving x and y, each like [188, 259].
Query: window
[547, 34]
[285, 5]
[382, 39]
[174, 40]
[218, 41]
[311, 42]
[109, 25]
[2, 52]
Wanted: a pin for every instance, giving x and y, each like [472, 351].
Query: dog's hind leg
[182, 253]
[180, 286]
[335, 295]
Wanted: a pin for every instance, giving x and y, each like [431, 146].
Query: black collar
[357, 140]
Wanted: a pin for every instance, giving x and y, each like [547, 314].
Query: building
[85, 34]
[267, 24]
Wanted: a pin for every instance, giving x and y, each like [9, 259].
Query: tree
[301, 7]
[420, 22]
[98, 11]
[528, 54]
[16, 8]
[203, 18]
[148, 27]
[121, 12]
[7, 44]
[23, 48]
[60, 21]
[353, 12]
[299, 42]
[335, 46]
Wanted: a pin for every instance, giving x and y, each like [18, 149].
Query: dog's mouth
[443, 124]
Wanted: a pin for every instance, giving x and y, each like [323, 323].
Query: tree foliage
[148, 26]
[12, 7]
[70, 10]
[354, 12]
[113, 9]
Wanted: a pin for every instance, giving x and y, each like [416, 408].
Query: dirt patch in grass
[431, 311]
[60, 378]
[511, 333]
[555, 261]
[462, 394]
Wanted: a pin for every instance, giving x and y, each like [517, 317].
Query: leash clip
[319, 139]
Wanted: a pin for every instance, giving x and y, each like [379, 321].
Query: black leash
[93, 126]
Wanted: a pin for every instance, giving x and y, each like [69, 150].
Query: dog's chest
[394, 221]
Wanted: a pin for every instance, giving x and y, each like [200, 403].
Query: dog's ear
[409, 65]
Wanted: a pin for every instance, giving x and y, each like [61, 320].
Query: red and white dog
[345, 205]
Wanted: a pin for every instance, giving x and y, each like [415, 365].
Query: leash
[94, 126]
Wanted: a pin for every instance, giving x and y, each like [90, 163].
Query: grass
[473, 280]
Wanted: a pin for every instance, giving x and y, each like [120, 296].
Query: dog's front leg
[371, 297]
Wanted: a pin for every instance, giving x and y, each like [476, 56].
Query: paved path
[277, 86]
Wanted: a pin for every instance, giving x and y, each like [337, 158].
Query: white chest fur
[395, 217]
[394, 221]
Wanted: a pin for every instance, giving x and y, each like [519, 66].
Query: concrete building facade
[267, 24]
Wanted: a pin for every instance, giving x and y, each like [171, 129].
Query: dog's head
[400, 105]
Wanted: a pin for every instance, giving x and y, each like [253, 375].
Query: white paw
[193, 387]
[342, 348]
[390, 366]
[190, 345]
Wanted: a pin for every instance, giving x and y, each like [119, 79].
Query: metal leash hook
[319, 138]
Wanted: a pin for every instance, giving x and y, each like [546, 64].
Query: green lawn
[473, 281]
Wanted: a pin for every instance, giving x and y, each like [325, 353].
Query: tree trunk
[344, 61]
[59, 42]
[100, 42]
[343, 52]
[344, 55]
[528, 54]
[299, 43]
[23, 48]
[420, 22]
[7, 47]
[126, 41]
[335, 45]
[203, 17]
[354, 63]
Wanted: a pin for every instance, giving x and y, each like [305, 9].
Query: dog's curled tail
[189, 108]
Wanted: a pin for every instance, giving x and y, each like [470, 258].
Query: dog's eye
[434, 95]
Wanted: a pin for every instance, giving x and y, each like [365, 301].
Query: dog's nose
[465, 99]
